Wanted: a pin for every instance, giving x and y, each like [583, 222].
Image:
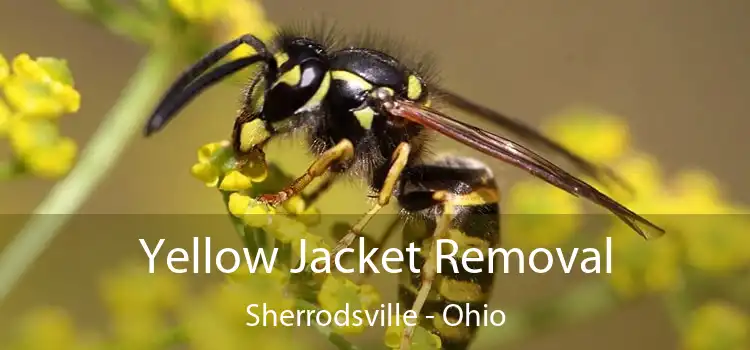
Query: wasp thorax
[302, 81]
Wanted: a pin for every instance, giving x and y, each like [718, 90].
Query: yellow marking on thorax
[365, 117]
[291, 77]
[352, 78]
[413, 88]
[253, 133]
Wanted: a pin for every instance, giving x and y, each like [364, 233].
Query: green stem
[118, 128]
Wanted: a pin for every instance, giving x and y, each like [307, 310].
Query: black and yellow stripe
[469, 195]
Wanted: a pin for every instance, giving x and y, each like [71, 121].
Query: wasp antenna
[170, 107]
[190, 82]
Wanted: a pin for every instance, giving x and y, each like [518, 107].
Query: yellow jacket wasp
[366, 114]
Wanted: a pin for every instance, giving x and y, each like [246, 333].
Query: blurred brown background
[677, 70]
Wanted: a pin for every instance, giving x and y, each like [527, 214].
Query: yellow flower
[43, 151]
[698, 193]
[702, 229]
[369, 296]
[336, 293]
[238, 204]
[210, 161]
[215, 161]
[4, 69]
[48, 329]
[642, 172]
[286, 229]
[421, 340]
[53, 161]
[28, 135]
[312, 242]
[714, 235]
[233, 18]
[717, 243]
[252, 212]
[310, 217]
[217, 320]
[640, 266]
[235, 181]
[42, 87]
[596, 136]
[543, 215]
[201, 11]
[44, 69]
[37, 92]
[134, 285]
[205, 172]
[207, 152]
[6, 116]
[294, 205]
[276, 277]
[717, 325]
[307, 215]
[51, 329]
[137, 300]
[244, 17]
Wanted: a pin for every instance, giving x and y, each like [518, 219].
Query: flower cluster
[37, 92]
[421, 339]
[215, 162]
[189, 27]
[217, 167]
[338, 292]
[706, 239]
[155, 311]
[232, 18]
[718, 325]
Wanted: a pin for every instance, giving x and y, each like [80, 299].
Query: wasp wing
[517, 155]
[528, 133]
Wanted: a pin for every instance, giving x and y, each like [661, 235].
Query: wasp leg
[429, 270]
[314, 195]
[341, 152]
[398, 163]
[454, 199]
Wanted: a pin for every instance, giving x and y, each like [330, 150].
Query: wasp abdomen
[462, 191]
